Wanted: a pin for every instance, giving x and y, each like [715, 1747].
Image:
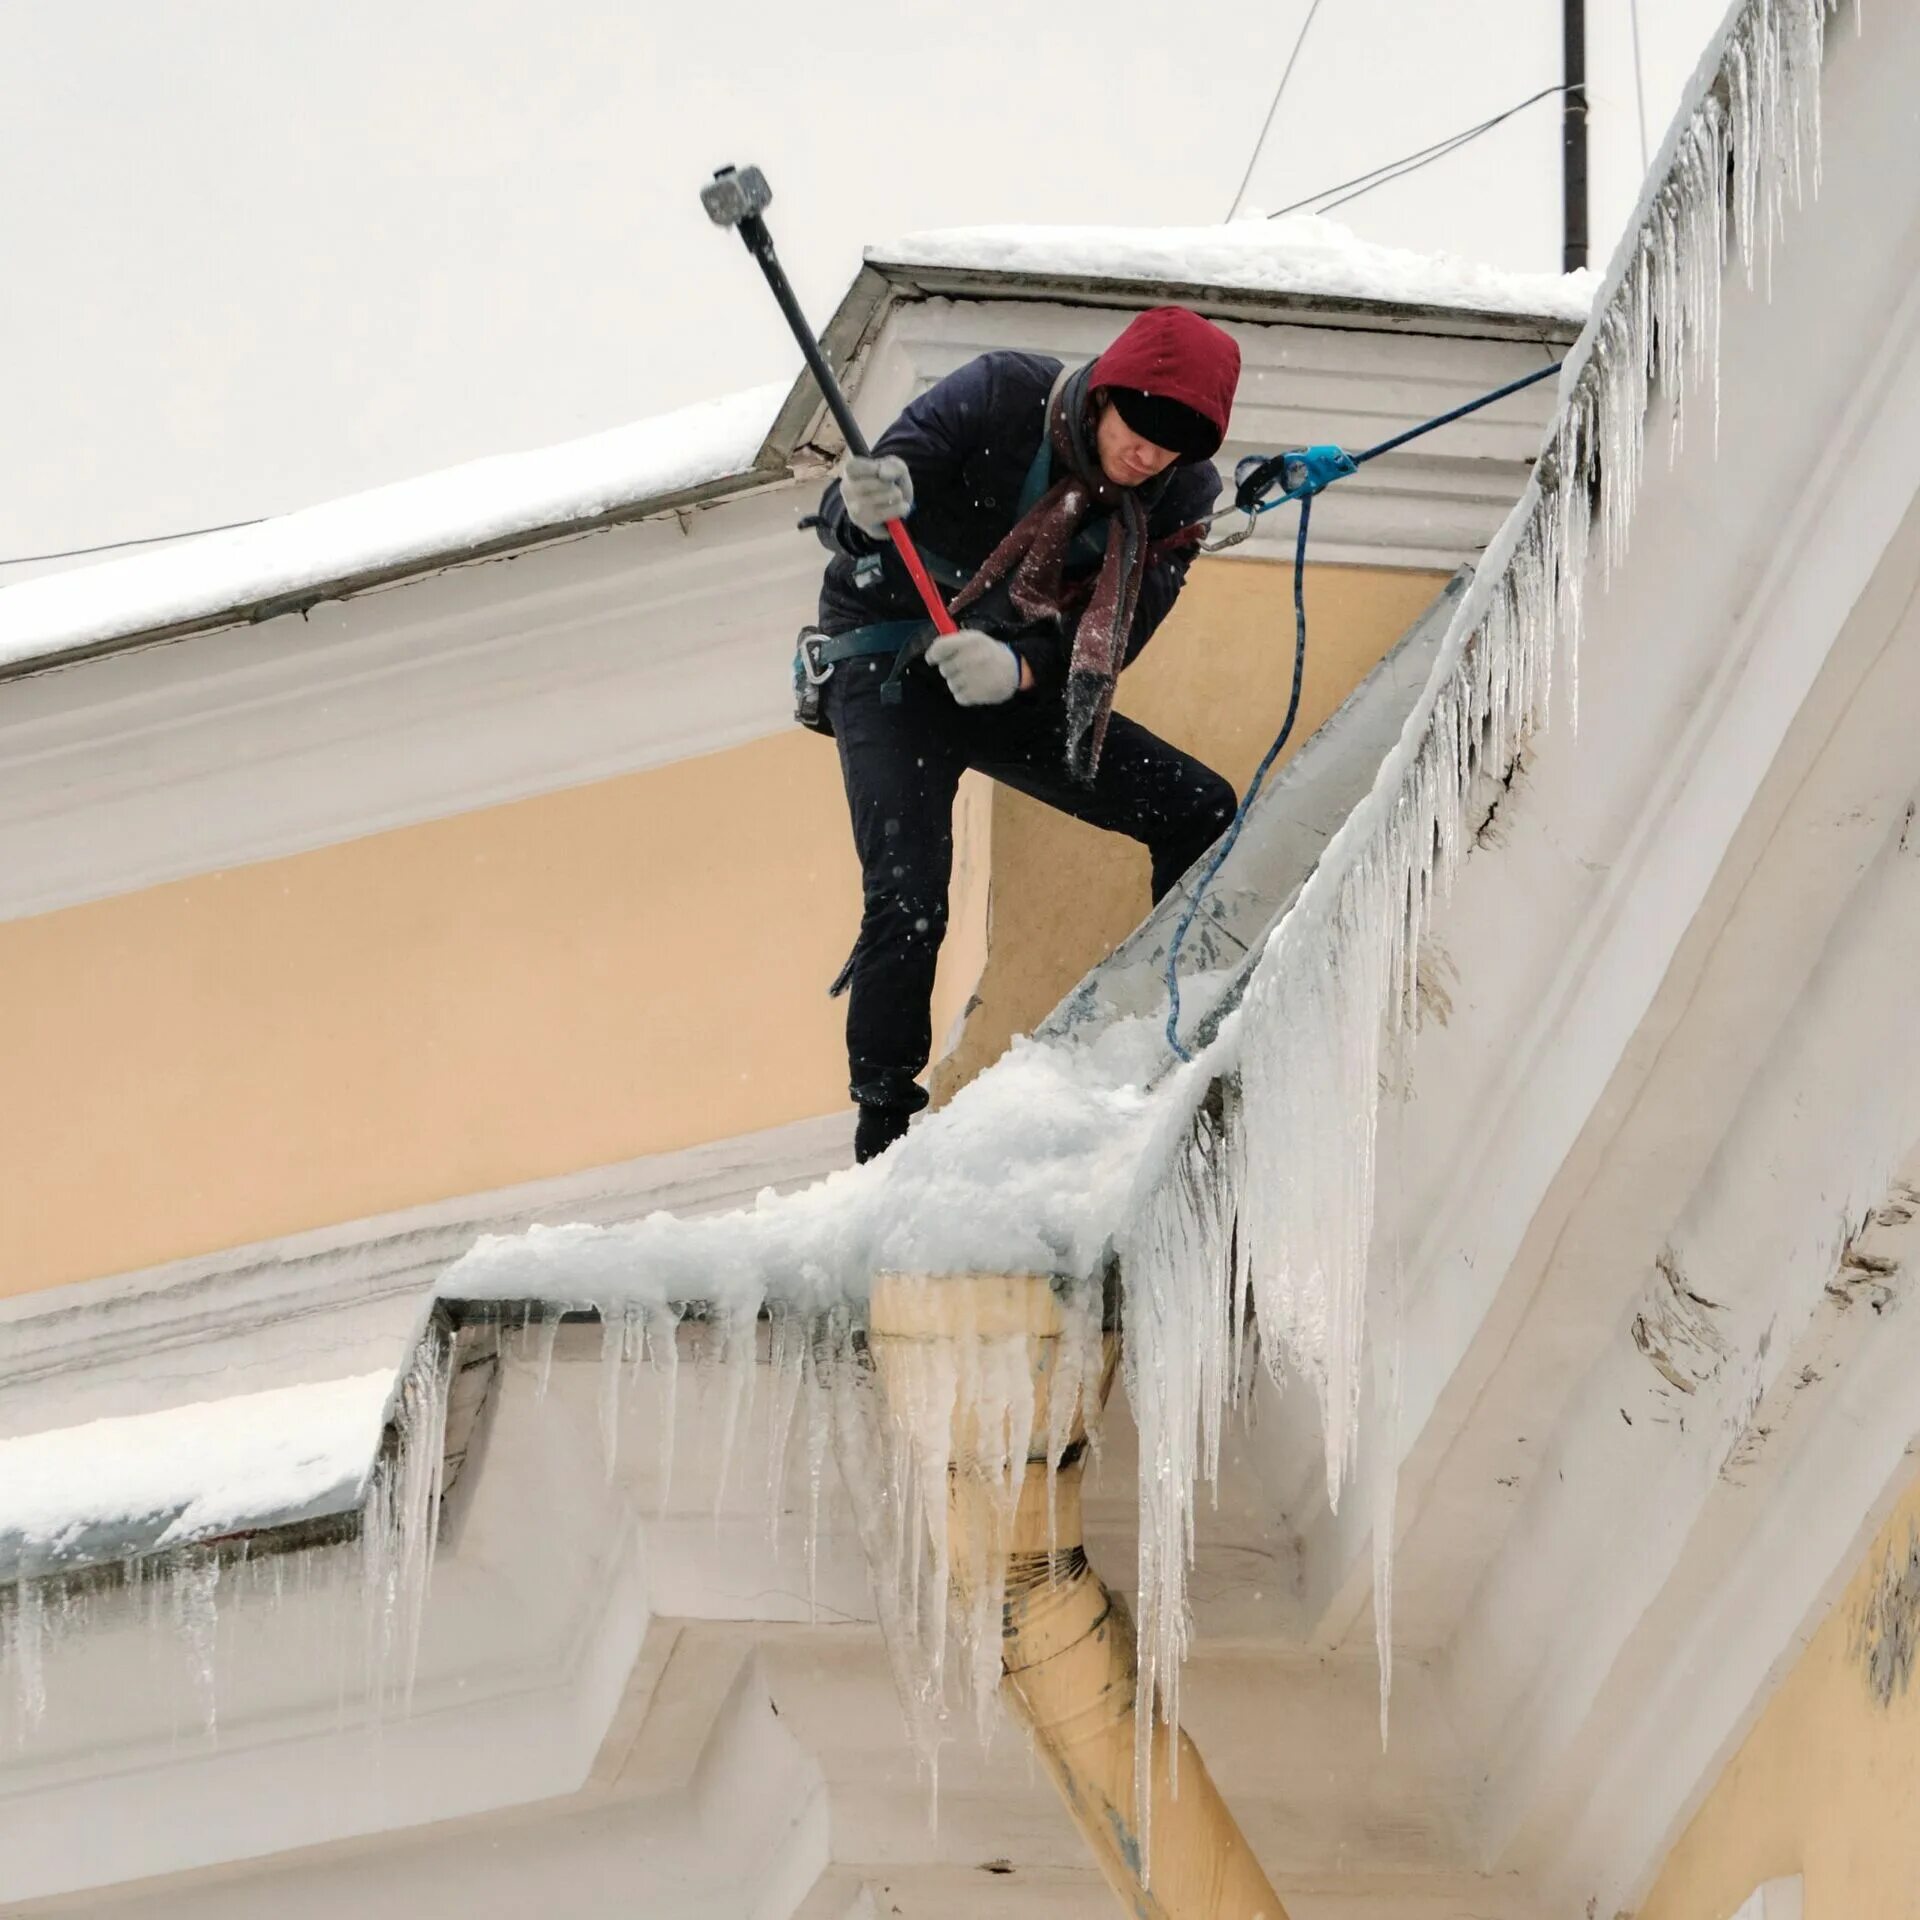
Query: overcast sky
[262, 252]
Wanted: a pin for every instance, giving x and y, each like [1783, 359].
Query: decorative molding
[1324, 311]
[1679, 1029]
[377, 1272]
[575, 662]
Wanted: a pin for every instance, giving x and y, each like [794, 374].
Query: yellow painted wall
[585, 977]
[1214, 681]
[526, 990]
[1827, 1785]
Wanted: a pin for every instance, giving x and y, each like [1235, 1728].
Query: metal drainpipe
[1573, 137]
[1067, 1649]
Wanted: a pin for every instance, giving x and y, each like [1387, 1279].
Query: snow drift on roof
[156, 1480]
[436, 516]
[1301, 253]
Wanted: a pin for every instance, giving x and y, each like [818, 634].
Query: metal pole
[1573, 137]
[736, 197]
[753, 230]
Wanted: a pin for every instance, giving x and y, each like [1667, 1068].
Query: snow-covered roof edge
[1304, 1052]
[438, 519]
[126, 1487]
[143, 1483]
[1655, 325]
[1336, 982]
[1302, 258]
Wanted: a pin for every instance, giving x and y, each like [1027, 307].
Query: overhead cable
[114, 546]
[1407, 163]
[1266, 126]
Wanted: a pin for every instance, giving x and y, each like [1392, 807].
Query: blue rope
[1307, 472]
[1225, 845]
[1532, 379]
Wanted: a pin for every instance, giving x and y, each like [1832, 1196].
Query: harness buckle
[809, 676]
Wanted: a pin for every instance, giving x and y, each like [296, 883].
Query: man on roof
[1065, 505]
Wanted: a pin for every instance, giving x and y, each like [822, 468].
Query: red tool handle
[929, 593]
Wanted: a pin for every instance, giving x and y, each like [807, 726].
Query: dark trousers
[902, 766]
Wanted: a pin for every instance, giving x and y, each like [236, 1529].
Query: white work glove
[979, 670]
[875, 488]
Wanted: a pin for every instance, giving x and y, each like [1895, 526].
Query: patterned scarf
[1031, 564]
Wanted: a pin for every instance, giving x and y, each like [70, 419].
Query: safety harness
[817, 654]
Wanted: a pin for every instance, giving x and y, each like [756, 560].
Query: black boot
[878, 1128]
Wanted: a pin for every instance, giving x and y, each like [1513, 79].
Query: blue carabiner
[1299, 473]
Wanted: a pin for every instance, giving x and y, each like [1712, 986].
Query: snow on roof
[1299, 253]
[463, 509]
[155, 1480]
[430, 518]
[1057, 1134]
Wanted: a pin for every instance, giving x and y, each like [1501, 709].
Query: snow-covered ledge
[150, 1482]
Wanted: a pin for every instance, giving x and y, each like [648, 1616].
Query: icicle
[539, 1337]
[193, 1581]
[1338, 982]
[1310, 1074]
[786, 1362]
[1178, 1352]
[1078, 1363]
[738, 1331]
[23, 1645]
[847, 1417]
[621, 1328]
[1383, 1342]
[662, 1330]
[400, 1525]
[934, 1437]
[820, 1370]
[995, 1416]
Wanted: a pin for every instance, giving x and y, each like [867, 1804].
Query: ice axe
[736, 197]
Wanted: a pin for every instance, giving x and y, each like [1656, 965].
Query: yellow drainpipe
[1067, 1647]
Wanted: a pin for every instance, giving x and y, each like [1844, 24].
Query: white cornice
[1130, 291]
[572, 662]
[353, 1293]
[1675, 1058]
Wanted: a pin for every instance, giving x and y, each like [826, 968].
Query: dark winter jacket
[969, 441]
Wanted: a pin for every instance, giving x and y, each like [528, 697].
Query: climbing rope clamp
[1299, 473]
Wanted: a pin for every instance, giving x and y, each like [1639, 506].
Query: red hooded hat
[1172, 376]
